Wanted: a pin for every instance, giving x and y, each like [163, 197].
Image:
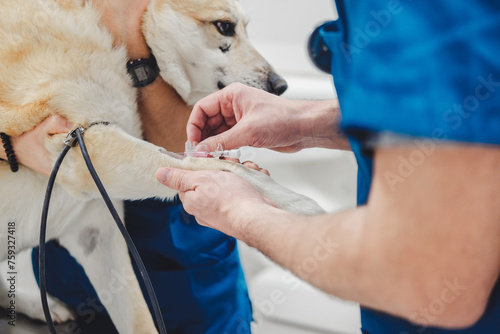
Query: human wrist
[137, 47]
[256, 226]
[320, 125]
[271, 233]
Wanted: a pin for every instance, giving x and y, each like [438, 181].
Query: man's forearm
[320, 125]
[323, 250]
[164, 116]
[347, 255]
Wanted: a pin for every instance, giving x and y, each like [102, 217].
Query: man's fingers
[177, 179]
[214, 122]
[57, 124]
[211, 112]
[205, 109]
[213, 142]
[233, 138]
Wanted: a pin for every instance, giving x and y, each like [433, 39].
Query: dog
[57, 58]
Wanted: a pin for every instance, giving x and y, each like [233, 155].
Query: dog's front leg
[98, 246]
[127, 167]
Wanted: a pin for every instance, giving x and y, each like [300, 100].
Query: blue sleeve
[422, 68]
[428, 69]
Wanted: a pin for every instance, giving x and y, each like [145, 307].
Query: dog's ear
[159, 28]
[175, 75]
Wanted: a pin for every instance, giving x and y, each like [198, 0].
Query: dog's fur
[58, 59]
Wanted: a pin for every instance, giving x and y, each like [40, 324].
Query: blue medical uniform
[195, 270]
[425, 69]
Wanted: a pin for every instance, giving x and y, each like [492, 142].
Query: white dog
[58, 59]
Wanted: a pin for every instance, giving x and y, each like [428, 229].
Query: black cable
[126, 236]
[43, 230]
[133, 250]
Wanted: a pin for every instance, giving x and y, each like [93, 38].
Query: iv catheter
[201, 151]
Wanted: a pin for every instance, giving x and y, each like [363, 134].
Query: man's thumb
[177, 179]
[163, 174]
[227, 140]
[57, 124]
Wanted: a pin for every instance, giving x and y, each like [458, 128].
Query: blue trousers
[196, 272]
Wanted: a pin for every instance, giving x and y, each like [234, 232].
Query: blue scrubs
[427, 69]
[195, 270]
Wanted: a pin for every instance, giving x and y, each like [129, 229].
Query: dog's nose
[277, 84]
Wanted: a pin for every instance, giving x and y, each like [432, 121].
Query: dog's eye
[225, 28]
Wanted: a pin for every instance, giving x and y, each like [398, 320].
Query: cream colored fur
[182, 35]
[58, 59]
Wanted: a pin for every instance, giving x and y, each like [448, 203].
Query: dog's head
[201, 46]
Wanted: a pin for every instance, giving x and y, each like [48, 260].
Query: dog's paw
[281, 196]
[59, 311]
[300, 204]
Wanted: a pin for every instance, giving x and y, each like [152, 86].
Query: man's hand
[430, 231]
[219, 200]
[243, 116]
[30, 146]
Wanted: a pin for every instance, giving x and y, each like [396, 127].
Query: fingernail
[202, 147]
[163, 175]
